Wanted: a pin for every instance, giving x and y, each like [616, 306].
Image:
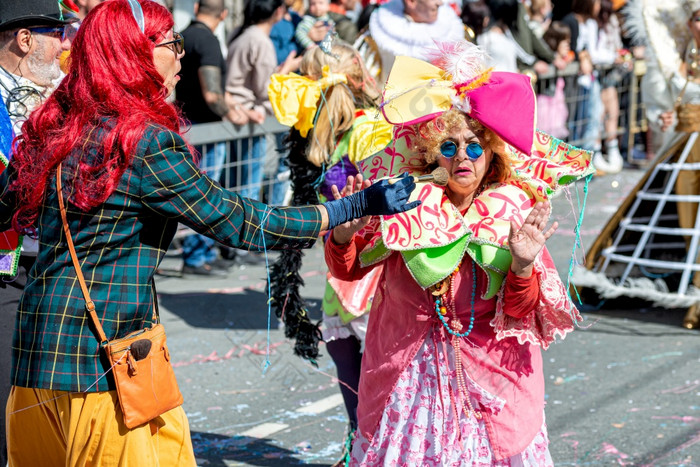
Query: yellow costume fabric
[294, 98]
[370, 134]
[416, 89]
[87, 429]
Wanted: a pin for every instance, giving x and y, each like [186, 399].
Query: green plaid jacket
[119, 245]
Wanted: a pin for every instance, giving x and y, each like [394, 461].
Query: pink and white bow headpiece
[417, 91]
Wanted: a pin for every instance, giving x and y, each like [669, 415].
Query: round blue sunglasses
[449, 149]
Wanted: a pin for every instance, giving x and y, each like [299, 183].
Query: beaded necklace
[440, 291]
[441, 304]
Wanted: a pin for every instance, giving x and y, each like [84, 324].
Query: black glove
[379, 199]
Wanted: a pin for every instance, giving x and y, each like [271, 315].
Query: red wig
[112, 85]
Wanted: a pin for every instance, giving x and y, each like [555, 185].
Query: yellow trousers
[56, 428]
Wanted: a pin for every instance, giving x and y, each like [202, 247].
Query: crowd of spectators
[513, 32]
[226, 80]
[531, 39]
[580, 39]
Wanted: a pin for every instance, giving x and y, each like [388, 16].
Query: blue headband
[137, 12]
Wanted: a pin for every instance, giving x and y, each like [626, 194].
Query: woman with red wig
[128, 178]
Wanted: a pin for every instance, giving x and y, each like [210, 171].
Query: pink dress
[552, 112]
[411, 410]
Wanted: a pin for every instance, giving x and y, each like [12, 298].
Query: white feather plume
[462, 60]
[634, 27]
[462, 104]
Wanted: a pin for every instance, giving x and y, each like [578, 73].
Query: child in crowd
[585, 123]
[540, 16]
[349, 128]
[318, 11]
[552, 111]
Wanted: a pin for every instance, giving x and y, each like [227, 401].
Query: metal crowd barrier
[273, 186]
[239, 141]
[632, 124]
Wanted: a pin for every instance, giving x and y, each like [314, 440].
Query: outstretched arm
[173, 186]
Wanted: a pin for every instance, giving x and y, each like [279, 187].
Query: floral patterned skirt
[424, 424]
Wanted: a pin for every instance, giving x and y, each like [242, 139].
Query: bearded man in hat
[31, 40]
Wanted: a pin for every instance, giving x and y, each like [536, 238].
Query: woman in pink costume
[452, 371]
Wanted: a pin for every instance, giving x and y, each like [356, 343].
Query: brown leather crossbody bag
[140, 361]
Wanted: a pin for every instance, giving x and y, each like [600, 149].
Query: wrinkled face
[42, 59]
[466, 170]
[422, 11]
[167, 61]
[319, 7]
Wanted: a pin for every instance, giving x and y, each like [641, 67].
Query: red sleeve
[343, 259]
[521, 294]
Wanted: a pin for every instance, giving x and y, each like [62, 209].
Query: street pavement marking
[264, 430]
[322, 405]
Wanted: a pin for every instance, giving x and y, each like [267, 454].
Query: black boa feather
[285, 280]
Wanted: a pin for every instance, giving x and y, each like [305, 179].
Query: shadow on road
[212, 450]
[633, 309]
[244, 310]
[670, 318]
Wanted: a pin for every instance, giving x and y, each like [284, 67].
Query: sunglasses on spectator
[696, 18]
[54, 31]
[449, 149]
[178, 44]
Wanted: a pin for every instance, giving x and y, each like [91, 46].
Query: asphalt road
[623, 389]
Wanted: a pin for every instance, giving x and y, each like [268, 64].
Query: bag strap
[89, 304]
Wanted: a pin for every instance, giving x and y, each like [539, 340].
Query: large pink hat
[417, 91]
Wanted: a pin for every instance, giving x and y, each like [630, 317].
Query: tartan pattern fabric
[119, 245]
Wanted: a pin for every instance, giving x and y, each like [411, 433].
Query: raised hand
[526, 241]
